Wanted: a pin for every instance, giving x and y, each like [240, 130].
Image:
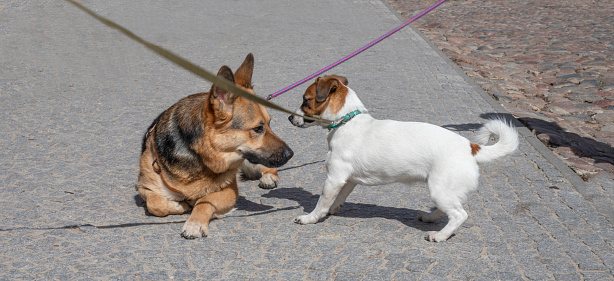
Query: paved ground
[550, 63]
[76, 97]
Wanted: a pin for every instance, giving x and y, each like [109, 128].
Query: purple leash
[355, 52]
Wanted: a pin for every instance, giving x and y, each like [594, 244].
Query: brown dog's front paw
[193, 230]
[268, 181]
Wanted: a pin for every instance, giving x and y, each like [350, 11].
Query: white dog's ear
[325, 87]
[343, 80]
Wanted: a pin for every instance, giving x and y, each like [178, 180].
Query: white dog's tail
[507, 140]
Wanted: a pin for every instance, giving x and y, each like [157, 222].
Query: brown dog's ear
[243, 76]
[221, 99]
[325, 87]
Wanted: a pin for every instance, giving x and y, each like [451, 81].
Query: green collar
[344, 120]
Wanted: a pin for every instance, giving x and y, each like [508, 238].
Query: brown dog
[192, 152]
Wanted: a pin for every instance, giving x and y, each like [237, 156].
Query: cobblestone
[76, 97]
[553, 71]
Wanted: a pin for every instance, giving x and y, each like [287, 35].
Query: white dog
[363, 150]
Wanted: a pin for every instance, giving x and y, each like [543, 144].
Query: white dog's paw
[192, 230]
[268, 181]
[306, 219]
[436, 236]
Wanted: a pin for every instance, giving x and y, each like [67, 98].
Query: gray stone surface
[76, 97]
[553, 72]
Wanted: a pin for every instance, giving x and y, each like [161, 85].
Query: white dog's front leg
[341, 197]
[329, 194]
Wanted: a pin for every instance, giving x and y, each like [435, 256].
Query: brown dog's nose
[288, 153]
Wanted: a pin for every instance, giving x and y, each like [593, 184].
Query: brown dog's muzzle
[272, 160]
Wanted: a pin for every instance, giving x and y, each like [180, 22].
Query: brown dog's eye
[258, 129]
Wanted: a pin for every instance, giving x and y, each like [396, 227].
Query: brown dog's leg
[215, 203]
[268, 176]
[159, 206]
[150, 188]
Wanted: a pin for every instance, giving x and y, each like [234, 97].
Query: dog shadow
[245, 205]
[138, 201]
[242, 204]
[308, 201]
[552, 135]
[472, 127]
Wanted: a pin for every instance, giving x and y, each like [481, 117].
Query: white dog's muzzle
[299, 121]
[296, 120]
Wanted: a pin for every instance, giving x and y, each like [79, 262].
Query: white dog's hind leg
[448, 188]
[329, 194]
[343, 195]
[456, 217]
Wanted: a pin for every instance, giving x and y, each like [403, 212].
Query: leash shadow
[302, 165]
[308, 201]
[88, 227]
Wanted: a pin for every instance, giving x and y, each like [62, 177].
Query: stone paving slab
[76, 97]
[552, 71]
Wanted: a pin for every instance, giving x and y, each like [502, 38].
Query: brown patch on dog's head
[325, 92]
[240, 128]
[475, 148]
